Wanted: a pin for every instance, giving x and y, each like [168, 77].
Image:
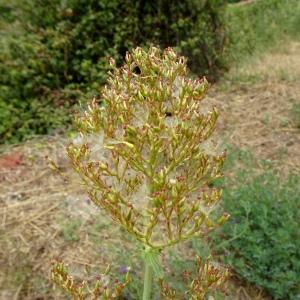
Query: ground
[43, 216]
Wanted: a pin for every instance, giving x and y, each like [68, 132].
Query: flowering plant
[142, 156]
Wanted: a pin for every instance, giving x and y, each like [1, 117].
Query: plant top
[141, 154]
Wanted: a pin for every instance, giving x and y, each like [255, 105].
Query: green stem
[147, 281]
[148, 268]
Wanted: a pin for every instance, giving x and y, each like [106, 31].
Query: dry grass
[42, 216]
[258, 118]
[280, 64]
[257, 115]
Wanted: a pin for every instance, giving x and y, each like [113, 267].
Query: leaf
[151, 258]
[120, 142]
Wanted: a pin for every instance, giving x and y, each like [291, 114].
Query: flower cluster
[208, 279]
[141, 154]
[102, 289]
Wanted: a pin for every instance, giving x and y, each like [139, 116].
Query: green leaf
[151, 258]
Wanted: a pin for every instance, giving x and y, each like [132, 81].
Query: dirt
[258, 116]
[36, 203]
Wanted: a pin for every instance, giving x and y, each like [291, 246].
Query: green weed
[69, 230]
[295, 112]
[261, 240]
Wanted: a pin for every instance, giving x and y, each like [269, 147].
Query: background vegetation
[254, 28]
[261, 239]
[56, 53]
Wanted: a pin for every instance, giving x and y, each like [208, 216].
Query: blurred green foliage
[69, 230]
[55, 53]
[255, 27]
[296, 114]
[261, 239]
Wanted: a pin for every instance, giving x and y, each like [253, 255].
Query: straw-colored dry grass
[258, 116]
[42, 216]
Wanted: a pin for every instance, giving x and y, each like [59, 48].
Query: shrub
[55, 52]
[262, 237]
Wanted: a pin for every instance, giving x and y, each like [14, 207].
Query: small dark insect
[137, 70]
[211, 185]
[168, 114]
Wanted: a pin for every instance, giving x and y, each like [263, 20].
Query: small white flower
[78, 140]
[173, 181]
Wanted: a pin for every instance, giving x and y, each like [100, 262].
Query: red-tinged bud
[223, 219]
[112, 62]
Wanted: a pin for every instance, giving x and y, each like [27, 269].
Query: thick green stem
[147, 281]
